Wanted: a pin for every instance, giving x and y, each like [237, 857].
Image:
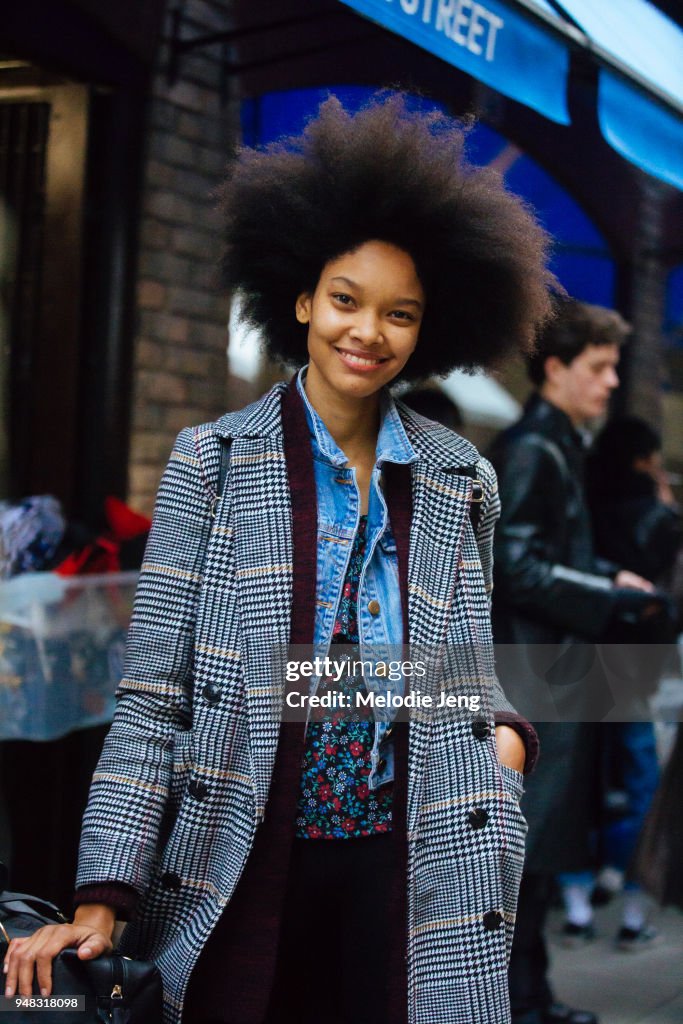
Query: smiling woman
[365, 250]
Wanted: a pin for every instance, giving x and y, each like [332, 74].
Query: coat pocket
[513, 781]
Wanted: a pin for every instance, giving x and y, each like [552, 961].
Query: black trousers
[528, 973]
[334, 942]
[333, 952]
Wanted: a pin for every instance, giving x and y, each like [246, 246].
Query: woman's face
[363, 320]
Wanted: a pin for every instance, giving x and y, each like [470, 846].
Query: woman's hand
[510, 747]
[90, 933]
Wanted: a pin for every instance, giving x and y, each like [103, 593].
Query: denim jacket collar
[392, 442]
[433, 444]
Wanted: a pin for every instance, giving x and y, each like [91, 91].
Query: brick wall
[644, 370]
[180, 367]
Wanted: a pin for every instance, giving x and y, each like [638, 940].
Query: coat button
[493, 919]
[478, 817]
[198, 789]
[171, 881]
[481, 728]
[211, 693]
[388, 732]
[381, 764]
[373, 607]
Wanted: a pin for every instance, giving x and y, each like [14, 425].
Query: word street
[467, 23]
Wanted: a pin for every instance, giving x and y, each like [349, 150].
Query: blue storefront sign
[496, 43]
[640, 90]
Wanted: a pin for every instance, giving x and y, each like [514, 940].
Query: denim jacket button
[382, 764]
[373, 607]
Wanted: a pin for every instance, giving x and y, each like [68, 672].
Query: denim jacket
[338, 498]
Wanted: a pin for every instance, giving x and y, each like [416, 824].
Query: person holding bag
[340, 867]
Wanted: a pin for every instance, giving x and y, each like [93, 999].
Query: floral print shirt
[334, 799]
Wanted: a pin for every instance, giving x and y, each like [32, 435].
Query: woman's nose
[366, 328]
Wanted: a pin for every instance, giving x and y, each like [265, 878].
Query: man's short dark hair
[397, 175]
[575, 326]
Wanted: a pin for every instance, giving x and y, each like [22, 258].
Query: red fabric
[103, 554]
[125, 524]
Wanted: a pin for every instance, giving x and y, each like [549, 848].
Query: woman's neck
[352, 422]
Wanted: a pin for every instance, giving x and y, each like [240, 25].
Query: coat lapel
[441, 506]
[261, 517]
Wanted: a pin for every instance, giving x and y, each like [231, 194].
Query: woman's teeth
[359, 360]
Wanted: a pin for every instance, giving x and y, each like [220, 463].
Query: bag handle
[477, 496]
[222, 473]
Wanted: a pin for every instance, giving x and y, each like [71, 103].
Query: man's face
[582, 389]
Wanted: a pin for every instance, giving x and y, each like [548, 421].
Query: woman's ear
[303, 308]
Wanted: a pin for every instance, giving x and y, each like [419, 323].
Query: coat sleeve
[529, 576]
[154, 699]
[504, 712]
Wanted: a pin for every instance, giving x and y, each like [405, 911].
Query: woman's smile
[359, 360]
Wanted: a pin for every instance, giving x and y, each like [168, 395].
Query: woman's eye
[400, 314]
[345, 300]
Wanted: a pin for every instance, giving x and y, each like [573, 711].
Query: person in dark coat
[636, 519]
[637, 524]
[551, 591]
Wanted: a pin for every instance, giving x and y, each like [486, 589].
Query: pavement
[644, 987]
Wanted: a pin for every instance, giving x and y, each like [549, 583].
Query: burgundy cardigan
[233, 976]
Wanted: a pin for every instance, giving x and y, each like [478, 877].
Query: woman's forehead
[376, 262]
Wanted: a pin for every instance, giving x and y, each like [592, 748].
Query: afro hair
[400, 176]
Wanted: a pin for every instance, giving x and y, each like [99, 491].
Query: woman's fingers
[35, 954]
[15, 966]
[44, 959]
[10, 965]
[92, 945]
[19, 963]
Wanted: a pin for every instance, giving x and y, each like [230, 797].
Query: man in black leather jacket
[551, 590]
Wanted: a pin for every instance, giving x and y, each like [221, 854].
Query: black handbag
[117, 990]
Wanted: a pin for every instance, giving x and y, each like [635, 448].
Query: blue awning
[494, 41]
[521, 48]
[640, 89]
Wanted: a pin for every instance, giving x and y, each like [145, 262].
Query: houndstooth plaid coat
[183, 779]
